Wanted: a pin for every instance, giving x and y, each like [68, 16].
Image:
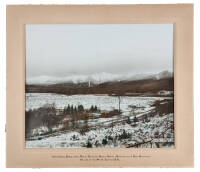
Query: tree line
[70, 109]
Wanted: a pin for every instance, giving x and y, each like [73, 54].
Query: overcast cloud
[69, 49]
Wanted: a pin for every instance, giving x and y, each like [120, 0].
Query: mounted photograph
[99, 86]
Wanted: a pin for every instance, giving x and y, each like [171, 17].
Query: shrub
[157, 145]
[156, 134]
[129, 120]
[89, 145]
[124, 135]
[135, 119]
[104, 141]
[110, 138]
[110, 114]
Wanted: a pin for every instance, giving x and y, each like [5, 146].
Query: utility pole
[119, 98]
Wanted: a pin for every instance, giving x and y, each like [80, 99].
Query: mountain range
[98, 78]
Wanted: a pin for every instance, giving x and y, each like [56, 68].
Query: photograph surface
[99, 86]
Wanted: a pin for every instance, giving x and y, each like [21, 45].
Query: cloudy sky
[63, 50]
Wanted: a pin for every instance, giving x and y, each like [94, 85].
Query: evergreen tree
[92, 108]
[75, 110]
[80, 108]
[95, 108]
[71, 109]
[65, 110]
[68, 108]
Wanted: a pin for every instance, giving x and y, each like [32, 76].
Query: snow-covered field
[141, 132]
[103, 102]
